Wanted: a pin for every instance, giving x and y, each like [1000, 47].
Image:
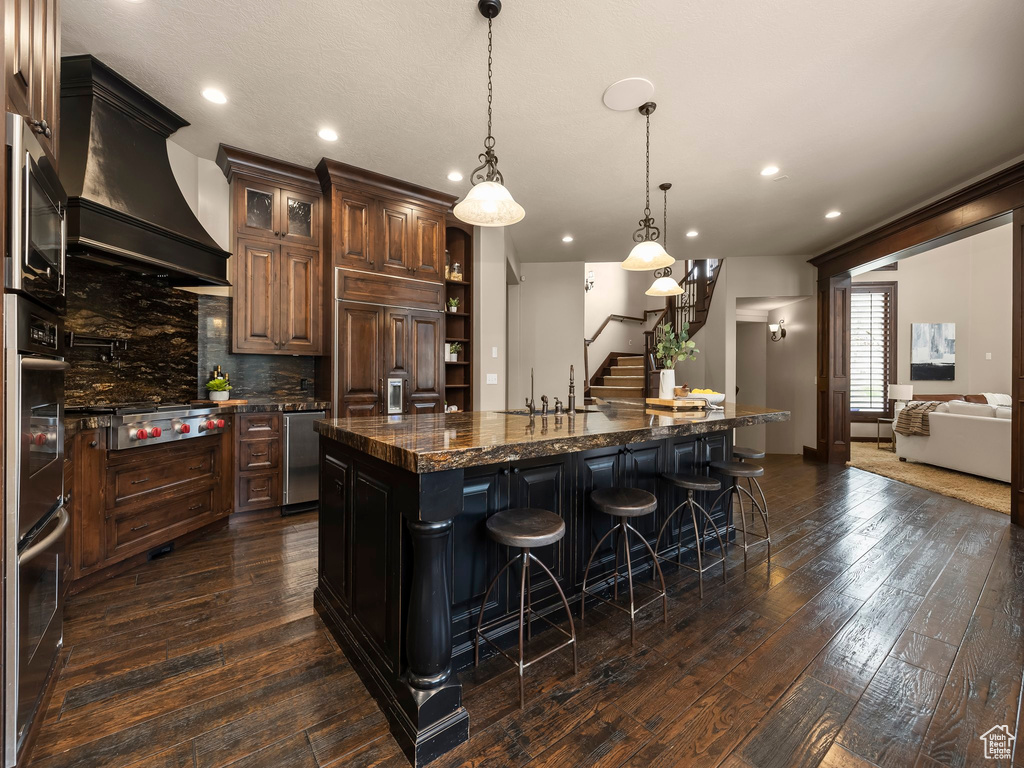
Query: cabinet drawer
[139, 482]
[130, 527]
[257, 490]
[259, 454]
[259, 425]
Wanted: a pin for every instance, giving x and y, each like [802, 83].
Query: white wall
[752, 377]
[208, 194]
[551, 320]
[489, 316]
[969, 283]
[790, 384]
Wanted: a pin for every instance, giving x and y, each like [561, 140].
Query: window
[872, 349]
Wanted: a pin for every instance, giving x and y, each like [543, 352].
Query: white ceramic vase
[666, 383]
[219, 395]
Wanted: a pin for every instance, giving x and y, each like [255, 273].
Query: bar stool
[692, 483]
[526, 529]
[743, 454]
[737, 470]
[624, 504]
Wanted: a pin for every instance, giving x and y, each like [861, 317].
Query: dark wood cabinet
[258, 468]
[277, 271]
[33, 65]
[378, 344]
[126, 503]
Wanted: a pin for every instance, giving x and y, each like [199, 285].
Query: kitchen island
[404, 558]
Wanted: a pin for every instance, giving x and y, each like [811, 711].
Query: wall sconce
[588, 283]
[778, 332]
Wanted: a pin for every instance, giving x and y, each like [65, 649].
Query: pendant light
[647, 254]
[488, 203]
[664, 284]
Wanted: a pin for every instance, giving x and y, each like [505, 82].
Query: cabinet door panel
[301, 307]
[371, 557]
[396, 344]
[352, 245]
[485, 491]
[257, 207]
[545, 484]
[259, 454]
[428, 245]
[335, 526]
[644, 464]
[19, 21]
[359, 329]
[256, 298]
[394, 224]
[600, 468]
[300, 218]
[426, 386]
[259, 490]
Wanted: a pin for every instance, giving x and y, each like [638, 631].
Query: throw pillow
[971, 409]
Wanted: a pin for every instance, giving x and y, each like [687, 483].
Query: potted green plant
[218, 389]
[670, 349]
[453, 304]
[454, 350]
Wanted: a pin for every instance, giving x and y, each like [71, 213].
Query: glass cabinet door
[258, 209]
[300, 217]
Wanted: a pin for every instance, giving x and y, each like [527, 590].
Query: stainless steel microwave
[37, 238]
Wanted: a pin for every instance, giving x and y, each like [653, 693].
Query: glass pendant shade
[489, 204]
[664, 286]
[646, 256]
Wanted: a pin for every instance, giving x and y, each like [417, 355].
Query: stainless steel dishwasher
[301, 462]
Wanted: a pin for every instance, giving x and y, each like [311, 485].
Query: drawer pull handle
[258, 454]
[140, 527]
[260, 490]
[194, 506]
[143, 480]
[197, 466]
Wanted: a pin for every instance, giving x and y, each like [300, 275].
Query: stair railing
[613, 318]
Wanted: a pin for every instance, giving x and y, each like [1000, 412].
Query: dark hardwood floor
[888, 631]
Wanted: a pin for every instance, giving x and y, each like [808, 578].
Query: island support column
[441, 720]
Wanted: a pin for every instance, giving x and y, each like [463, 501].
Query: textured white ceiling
[869, 106]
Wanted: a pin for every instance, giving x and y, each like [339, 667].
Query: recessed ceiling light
[454, 176]
[769, 170]
[327, 134]
[692, 233]
[217, 97]
[833, 214]
[567, 239]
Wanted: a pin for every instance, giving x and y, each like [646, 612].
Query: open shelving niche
[458, 326]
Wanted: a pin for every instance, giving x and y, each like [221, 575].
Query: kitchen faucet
[529, 401]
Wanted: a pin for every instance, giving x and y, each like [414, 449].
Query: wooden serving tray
[678, 403]
[220, 402]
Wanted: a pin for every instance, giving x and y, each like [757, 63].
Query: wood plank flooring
[887, 631]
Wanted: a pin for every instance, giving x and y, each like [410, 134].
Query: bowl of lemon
[713, 398]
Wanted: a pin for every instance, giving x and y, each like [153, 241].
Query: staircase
[623, 378]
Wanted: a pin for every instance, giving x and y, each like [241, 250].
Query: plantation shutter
[872, 348]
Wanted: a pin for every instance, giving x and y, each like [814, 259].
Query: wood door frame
[1000, 194]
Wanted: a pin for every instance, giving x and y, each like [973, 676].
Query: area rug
[991, 494]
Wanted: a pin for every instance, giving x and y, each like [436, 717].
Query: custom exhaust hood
[125, 207]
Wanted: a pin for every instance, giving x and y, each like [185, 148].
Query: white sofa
[967, 437]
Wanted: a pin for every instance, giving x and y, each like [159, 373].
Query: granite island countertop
[436, 442]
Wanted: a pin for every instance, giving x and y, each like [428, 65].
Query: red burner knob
[220, 423]
[41, 439]
[211, 424]
[184, 429]
[141, 434]
[155, 432]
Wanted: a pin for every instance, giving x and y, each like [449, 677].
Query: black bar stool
[752, 454]
[736, 470]
[623, 504]
[526, 529]
[692, 483]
